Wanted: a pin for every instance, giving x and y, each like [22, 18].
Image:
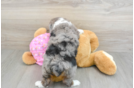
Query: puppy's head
[61, 25]
[52, 22]
[56, 70]
[57, 21]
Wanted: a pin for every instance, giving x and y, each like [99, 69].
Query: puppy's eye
[64, 43]
[52, 34]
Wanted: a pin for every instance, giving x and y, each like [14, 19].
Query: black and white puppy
[61, 52]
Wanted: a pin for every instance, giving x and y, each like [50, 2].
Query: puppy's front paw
[76, 83]
[39, 84]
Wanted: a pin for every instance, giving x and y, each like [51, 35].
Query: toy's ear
[40, 31]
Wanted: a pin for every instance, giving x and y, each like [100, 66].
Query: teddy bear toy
[86, 57]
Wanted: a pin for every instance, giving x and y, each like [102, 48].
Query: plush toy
[86, 57]
[37, 48]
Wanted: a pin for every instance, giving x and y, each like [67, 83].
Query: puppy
[61, 52]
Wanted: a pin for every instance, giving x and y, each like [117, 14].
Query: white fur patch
[76, 83]
[110, 57]
[80, 31]
[61, 20]
[39, 84]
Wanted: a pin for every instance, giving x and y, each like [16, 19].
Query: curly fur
[61, 51]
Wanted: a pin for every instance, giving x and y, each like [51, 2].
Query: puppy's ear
[50, 27]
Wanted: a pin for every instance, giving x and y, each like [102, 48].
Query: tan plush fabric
[40, 31]
[104, 63]
[28, 58]
[88, 43]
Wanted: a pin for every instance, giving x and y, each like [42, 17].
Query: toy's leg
[40, 31]
[101, 59]
[28, 58]
[93, 40]
[105, 62]
[86, 61]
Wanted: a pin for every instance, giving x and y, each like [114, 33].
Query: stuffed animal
[37, 48]
[86, 57]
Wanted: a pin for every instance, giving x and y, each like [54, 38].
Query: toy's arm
[40, 31]
[93, 40]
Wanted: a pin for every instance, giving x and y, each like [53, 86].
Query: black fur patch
[70, 59]
[71, 43]
[59, 72]
[56, 69]
[64, 43]
[46, 76]
[52, 50]
[75, 52]
[52, 34]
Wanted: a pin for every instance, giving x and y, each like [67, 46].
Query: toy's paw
[39, 84]
[80, 31]
[76, 83]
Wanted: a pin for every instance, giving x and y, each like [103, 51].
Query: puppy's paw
[76, 83]
[80, 31]
[39, 84]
